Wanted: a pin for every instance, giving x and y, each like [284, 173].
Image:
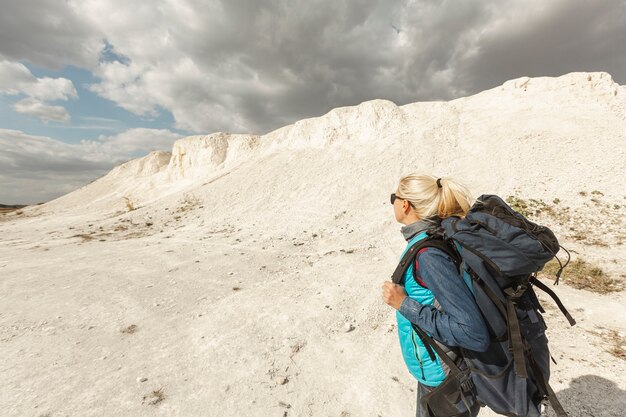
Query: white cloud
[50, 89]
[16, 79]
[39, 109]
[13, 76]
[129, 142]
[39, 168]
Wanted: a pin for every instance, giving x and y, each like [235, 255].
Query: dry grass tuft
[189, 202]
[154, 397]
[129, 204]
[611, 340]
[618, 344]
[85, 237]
[130, 329]
[584, 276]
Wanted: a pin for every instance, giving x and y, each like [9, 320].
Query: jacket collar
[410, 230]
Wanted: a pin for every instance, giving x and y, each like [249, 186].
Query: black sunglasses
[394, 196]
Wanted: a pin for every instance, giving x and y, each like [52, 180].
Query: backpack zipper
[417, 353]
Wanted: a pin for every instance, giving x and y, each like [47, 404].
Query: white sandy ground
[247, 258]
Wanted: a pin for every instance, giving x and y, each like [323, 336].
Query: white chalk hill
[252, 266]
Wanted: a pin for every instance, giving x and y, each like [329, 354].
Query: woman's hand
[393, 294]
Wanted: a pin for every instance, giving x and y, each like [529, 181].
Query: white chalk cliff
[537, 134]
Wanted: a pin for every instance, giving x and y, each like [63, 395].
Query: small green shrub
[518, 205]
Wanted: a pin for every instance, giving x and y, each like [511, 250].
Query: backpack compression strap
[556, 299]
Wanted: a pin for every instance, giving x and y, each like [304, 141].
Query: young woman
[435, 297]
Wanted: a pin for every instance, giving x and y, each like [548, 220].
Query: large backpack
[499, 252]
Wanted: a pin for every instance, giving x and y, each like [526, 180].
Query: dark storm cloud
[319, 55]
[47, 33]
[313, 57]
[257, 65]
[569, 36]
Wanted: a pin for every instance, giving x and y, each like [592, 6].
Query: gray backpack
[501, 251]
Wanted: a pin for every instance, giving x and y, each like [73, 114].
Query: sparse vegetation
[556, 201]
[85, 237]
[518, 205]
[618, 344]
[532, 207]
[130, 329]
[615, 340]
[597, 242]
[154, 397]
[129, 204]
[582, 193]
[596, 192]
[583, 276]
[189, 202]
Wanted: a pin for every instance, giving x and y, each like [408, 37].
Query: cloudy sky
[87, 84]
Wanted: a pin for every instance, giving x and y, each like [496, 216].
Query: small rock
[282, 404]
[231, 273]
[281, 380]
[348, 327]
[142, 379]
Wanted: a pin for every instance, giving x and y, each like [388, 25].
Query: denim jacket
[458, 323]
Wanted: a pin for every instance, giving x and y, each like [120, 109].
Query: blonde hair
[453, 198]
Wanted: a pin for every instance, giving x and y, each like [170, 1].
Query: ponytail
[429, 199]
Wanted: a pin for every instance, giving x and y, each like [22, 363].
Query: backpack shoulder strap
[435, 239]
